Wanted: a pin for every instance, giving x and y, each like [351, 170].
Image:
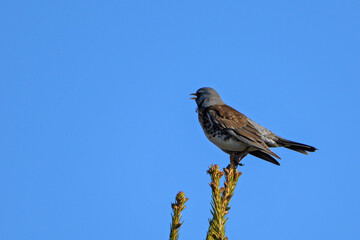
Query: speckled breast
[219, 136]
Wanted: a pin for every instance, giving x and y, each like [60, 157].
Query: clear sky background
[98, 133]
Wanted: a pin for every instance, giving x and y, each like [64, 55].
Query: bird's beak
[194, 94]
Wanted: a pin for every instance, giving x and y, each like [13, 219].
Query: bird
[236, 134]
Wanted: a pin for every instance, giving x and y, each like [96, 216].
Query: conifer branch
[177, 207]
[220, 199]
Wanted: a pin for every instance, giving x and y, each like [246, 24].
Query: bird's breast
[218, 136]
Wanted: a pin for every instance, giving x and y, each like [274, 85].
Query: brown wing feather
[237, 125]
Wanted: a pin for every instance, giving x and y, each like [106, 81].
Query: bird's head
[206, 97]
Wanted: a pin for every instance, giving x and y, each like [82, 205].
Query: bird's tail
[299, 147]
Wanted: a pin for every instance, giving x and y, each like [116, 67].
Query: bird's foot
[234, 165]
[235, 162]
[235, 159]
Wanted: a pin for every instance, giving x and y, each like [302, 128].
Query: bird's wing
[266, 135]
[237, 125]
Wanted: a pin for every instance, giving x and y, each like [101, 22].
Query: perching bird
[236, 134]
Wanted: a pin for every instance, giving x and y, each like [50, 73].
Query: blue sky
[98, 133]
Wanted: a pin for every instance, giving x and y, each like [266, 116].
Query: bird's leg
[242, 155]
[236, 158]
[234, 162]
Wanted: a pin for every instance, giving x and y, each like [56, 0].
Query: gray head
[206, 97]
